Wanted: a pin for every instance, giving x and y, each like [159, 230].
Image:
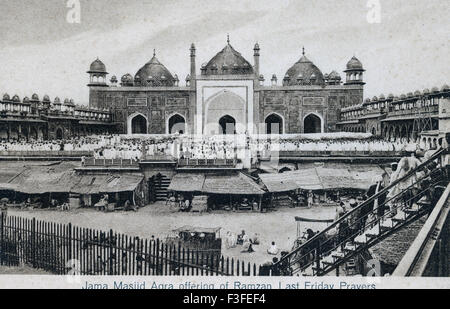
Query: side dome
[127, 80]
[304, 72]
[227, 62]
[154, 74]
[6, 97]
[16, 99]
[97, 67]
[334, 75]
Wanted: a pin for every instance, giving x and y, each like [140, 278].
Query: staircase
[359, 229]
[161, 183]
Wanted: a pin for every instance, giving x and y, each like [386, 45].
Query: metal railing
[312, 251]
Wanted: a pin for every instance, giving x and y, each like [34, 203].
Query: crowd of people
[90, 143]
[204, 147]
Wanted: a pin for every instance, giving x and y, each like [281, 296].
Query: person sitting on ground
[65, 207]
[255, 239]
[128, 206]
[247, 246]
[273, 250]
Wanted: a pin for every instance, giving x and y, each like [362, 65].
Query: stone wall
[157, 105]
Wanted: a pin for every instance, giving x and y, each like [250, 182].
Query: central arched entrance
[229, 106]
[312, 124]
[274, 124]
[227, 125]
[139, 125]
[177, 124]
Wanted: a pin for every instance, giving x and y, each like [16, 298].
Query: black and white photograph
[233, 144]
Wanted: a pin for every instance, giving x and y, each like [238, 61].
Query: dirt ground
[159, 220]
[4, 270]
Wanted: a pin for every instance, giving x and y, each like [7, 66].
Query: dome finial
[228, 38]
[303, 50]
[154, 52]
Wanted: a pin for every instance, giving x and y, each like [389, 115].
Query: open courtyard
[159, 220]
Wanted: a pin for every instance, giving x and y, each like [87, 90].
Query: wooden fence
[66, 249]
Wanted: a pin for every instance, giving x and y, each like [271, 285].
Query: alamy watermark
[74, 14]
[374, 13]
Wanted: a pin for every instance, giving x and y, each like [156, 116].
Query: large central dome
[153, 73]
[304, 72]
[228, 61]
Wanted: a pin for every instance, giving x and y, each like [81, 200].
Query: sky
[40, 52]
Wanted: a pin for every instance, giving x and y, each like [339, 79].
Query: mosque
[228, 96]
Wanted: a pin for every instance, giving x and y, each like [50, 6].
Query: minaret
[193, 69]
[256, 57]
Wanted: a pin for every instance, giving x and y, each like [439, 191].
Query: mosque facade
[226, 95]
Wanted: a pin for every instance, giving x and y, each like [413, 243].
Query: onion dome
[374, 99]
[382, 97]
[426, 91]
[6, 97]
[224, 61]
[402, 96]
[113, 79]
[390, 96]
[334, 76]
[410, 95]
[97, 67]
[274, 77]
[127, 80]
[16, 99]
[137, 80]
[354, 64]
[160, 75]
[188, 78]
[417, 93]
[57, 101]
[46, 99]
[70, 103]
[261, 78]
[307, 71]
[26, 100]
[66, 101]
[445, 88]
[396, 98]
[366, 101]
[435, 89]
[35, 97]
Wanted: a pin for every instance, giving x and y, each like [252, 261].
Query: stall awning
[238, 184]
[323, 177]
[234, 184]
[306, 179]
[187, 182]
[95, 184]
[63, 179]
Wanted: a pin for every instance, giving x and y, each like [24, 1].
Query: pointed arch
[137, 124]
[227, 125]
[313, 123]
[274, 123]
[176, 123]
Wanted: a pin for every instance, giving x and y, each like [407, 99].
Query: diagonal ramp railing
[359, 229]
